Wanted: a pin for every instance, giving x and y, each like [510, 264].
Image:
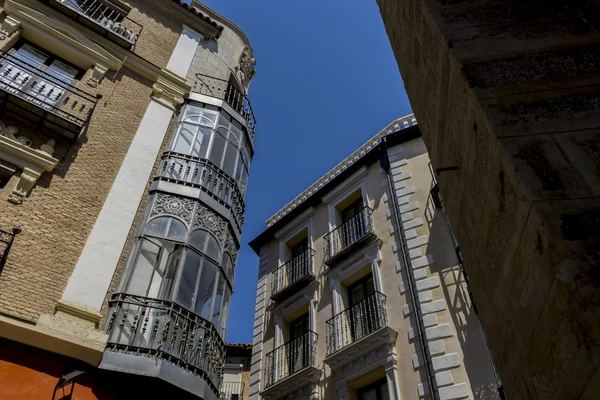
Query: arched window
[206, 244]
[156, 259]
[204, 131]
[228, 266]
[193, 132]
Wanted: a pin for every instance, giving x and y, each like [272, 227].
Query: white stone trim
[90, 280]
[184, 52]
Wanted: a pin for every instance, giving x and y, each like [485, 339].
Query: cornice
[23, 156]
[70, 34]
[394, 126]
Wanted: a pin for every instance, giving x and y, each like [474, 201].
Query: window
[353, 223]
[376, 391]
[206, 132]
[18, 74]
[363, 309]
[157, 259]
[298, 348]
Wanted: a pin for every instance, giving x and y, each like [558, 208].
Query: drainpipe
[385, 165]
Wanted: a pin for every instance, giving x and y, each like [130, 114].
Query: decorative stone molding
[394, 126]
[98, 73]
[168, 94]
[77, 313]
[166, 204]
[300, 385]
[33, 163]
[377, 348]
[305, 296]
[8, 27]
[246, 67]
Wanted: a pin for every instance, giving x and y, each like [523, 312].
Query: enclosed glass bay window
[190, 269]
[205, 132]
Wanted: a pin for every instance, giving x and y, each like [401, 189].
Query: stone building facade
[361, 293]
[507, 95]
[126, 140]
[236, 377]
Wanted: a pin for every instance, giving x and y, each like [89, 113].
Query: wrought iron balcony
[103, 17]
[162, 330]
[356, 230]
[355, 323]
[293, 273]
[42, 97]
[232, 391]
[203, 174]
[224, 90]
[6, 241]
[291, 358]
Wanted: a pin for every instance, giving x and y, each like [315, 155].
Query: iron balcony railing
[226, 91]
[6, 241]
[356, 322]
[293, 271]
[291, 357]
[203, 174]
[109, 17]
[232, 391]
[45, 90]
[161, 329]
[350, 232]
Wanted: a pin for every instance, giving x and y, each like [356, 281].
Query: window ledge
[33, 164]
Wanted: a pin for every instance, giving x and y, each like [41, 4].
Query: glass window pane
[167, 282]
[213, 250]
[205, 289]
[228, 266]
[202, 142]
[184, 139]
[209, 117]
[177, 230]
[225, 312]
[189, 275]
[143, 268]
[218, 302]
[230, 159]
[31, 56]
[62, 72]
[192, 113]
[157, 227]
[218, 147]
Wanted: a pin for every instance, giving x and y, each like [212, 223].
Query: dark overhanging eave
[401, 136]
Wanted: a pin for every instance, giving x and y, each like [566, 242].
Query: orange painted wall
[27, 373]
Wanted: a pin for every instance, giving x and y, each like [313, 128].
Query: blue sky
[326, 81]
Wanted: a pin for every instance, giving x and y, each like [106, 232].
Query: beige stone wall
[474, 370]
[501, 91]
[58, 215]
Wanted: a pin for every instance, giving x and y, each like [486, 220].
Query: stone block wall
[508, 93]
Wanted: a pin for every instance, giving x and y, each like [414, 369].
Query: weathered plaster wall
[509, 93]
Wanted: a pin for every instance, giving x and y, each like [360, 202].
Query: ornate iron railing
[356, 322]
[107, 16]
[293, 271]
[350, 232]
[6, 241]
[224, 90]
[232, 391]
[162, 329]
[203, 174]
[291, 357]
[44, 90]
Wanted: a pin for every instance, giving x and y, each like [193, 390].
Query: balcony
[232, 391]
[226, 91]
[41, 97]
[162, 339]
[295, 273]
[357, 230]
[103, 17]
[203, 174]
[6, 241]
[357, 331]
[291, 366]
